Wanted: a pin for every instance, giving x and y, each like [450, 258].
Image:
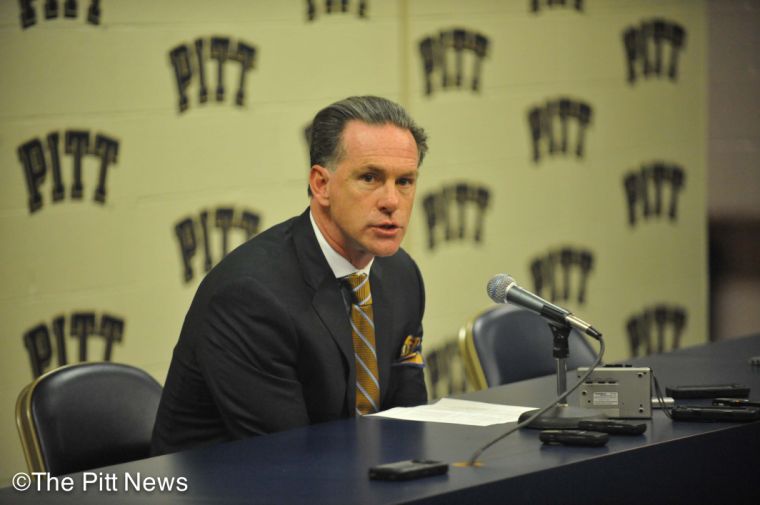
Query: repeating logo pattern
[549, 126]
[78, 144]
[537, 5]
[189, 63]
[644, 48]
[54, 9]
[553, 274]
[437, 51]
[445, 213]
[82, 326]
[193, 231]
[644, 190]
[331, 7]
[445, 370]
[307, 136]
[650, 330]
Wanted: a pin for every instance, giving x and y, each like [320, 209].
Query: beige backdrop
[122, 257]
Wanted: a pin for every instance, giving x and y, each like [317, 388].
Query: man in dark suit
[319, 317]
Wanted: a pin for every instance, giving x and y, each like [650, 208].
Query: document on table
[449, 410]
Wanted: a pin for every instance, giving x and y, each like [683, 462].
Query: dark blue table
[670, 463]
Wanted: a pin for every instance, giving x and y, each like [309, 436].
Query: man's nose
[389, 198]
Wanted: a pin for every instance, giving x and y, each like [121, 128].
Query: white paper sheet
[449, 410]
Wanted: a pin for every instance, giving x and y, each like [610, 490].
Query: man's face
[368, 199]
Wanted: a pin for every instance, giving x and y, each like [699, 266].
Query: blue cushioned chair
[506, 344]
[85, 416]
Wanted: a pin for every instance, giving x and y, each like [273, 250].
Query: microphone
[502, 288]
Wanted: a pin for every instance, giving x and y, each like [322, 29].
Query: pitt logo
[189, 62]
[77, 143]
[438, 50]
[82, 325]
[649, 330]
[552, 273]
[330, 8]
[544, 121]
[53, 10]
[535, 5]
[644, 190]
[225, 219]
[644, 51]
[445, 212]
[307, 138]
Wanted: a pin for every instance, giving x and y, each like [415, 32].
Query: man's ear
[318, 179]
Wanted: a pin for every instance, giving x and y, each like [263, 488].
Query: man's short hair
[326, 130]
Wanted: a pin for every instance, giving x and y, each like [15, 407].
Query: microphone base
[561, 417]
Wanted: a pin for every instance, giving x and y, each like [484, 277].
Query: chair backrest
[506, 344]
[86, 416]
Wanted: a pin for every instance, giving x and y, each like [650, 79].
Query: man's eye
[406, 181]
[368, 177]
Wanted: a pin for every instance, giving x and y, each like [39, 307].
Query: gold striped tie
[363, 333]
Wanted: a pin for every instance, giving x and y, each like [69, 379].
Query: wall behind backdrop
[141, 141]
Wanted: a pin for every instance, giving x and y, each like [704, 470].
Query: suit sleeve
[410, 389]
[247, 356]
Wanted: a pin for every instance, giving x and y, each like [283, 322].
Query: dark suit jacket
[266, 344]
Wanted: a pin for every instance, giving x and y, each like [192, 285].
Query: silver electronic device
[618, 391]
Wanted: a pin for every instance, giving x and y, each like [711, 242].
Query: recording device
[612, 427]
[502, 288]
[708, 391]
[715, 413]
[618, 391]
[734, 402]
[408, 469]
[574, 437]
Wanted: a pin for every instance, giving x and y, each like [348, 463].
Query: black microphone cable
[560, 398]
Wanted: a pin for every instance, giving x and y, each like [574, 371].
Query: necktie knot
[360, 285]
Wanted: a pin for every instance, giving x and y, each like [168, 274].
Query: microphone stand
[561, 416]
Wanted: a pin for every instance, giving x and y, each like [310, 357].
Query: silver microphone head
[497, 287]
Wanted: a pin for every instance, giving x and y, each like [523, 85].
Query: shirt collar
[340, 266]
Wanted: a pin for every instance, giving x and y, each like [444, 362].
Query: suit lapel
[328, 300]
[330, 306]
[383, 316]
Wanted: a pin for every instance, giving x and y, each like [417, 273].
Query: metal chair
[506, 344]
[87, 415]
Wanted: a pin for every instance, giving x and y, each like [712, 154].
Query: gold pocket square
[411, 352]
